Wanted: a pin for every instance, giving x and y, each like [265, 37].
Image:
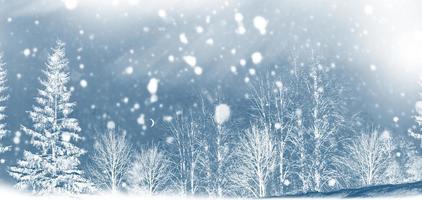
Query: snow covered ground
[399, 191]
[411, 191]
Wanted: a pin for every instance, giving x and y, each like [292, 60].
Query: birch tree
[297, 117]
[187, 152]
[316, 113]
[53, 166]
[150, 171]
[3, 99]
[111, 160]
[255, 162]
[222, 160]
[368, 157]
[270, 102]
[326, 121]
[218, 137]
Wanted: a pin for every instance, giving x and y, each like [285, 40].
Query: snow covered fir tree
[53, 167]
[212, 99]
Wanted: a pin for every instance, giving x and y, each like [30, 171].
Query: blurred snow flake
[27, 52]
[129, 70]
[332, 182]
[183, 39]
[198, 70]
[256, 57]
[190, 60]
[162, 13]
[222, 113]
[66, 136]
[368, 9]
[71, 4]
[261, 24]
[152, 88]
[238, 17]
[111, 125]
[141, 119]
[83, 83]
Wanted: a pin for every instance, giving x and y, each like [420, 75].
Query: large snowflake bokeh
[135, 63]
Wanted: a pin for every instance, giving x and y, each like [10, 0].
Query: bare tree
[150, 171]
[368, 157]
[256, 162]
[299, 142]
[316, 110]
[111, 160]
[270, 102]
[301, 168]
[187, 152]
[413, 168]
[326, 121]
[218, 138]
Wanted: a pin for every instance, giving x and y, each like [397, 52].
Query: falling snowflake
[27, 52]
[83, 83]
[198, 70]
[368, 9]
[141, 119]
[261, 24]
[279, 84]
[71, 4]
[169, 140]
[152, 86]
[190, 60]
[167, 118]
[183, 39]
[222, 113]
[171, 58]
[111, 125]
[162, 13]
[240, 27]
[129, 70]
[256, 57]
[332, 182]
[277, 125]
[66, 137]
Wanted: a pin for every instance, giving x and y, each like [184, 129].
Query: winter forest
[211, 98]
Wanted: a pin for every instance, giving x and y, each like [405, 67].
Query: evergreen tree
[53, 165]
[3, 98]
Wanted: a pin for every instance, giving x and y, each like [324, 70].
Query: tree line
[300, 138]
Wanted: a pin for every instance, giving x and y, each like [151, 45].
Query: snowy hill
[400, 190]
